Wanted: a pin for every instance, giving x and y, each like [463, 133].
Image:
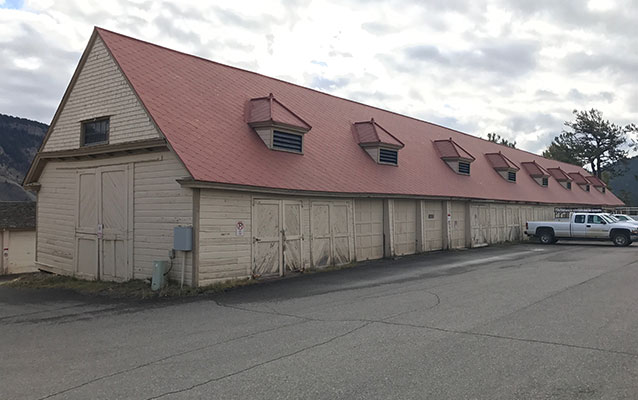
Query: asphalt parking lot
[513, 322]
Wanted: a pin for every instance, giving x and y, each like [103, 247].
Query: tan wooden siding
[222, 254]
[101, 90]
[56, 218]
[160, 204]
[498, 223]
[405, 227]
[369, 229]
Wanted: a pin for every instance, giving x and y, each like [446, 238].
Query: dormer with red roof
[277, 126]
[597, 183]
[580, 180]
[561, 177]
[538, 173]
[455, 156]
[380, 144]
[503, 165]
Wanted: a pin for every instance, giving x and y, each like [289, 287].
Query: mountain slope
[625, 186]
[19, 142]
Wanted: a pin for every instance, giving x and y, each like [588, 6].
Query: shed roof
[500, 162]
[595, 181]
[535, 170]
[578, 178]
[371, 133]
[448, 149]
[269, 110]
[558, 174]
[199, 107]
[17, 215]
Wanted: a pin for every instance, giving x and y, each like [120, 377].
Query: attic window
[569, 185]
[545, 181]
[511, 176]
[95, 132]
[387, 156]
[587, 188]
[604, 189]
[464, 167]
[287, 141]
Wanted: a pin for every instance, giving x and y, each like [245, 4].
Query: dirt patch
[134, 289]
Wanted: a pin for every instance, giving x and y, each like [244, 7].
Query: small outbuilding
[270, 177]
[17, 237]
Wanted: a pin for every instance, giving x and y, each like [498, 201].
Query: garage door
[369, 229]
[331, 241]
[278, 237]
[480, 225]
[404, 227]
[457, 225]
[433, 225]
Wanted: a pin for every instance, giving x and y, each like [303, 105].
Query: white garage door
[369, 229]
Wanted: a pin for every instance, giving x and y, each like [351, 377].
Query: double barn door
[102, 223]
[279, 241]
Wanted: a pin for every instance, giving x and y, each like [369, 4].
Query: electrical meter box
[183, 238]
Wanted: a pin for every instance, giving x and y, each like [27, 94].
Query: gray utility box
[159, 275]
[183, 238]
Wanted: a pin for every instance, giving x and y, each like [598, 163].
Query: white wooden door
[114, 219]
[86, 224]
[331, 241]
[102, 222]
[292, 239]
[267, 239]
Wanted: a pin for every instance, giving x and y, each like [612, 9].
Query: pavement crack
[159, 360]
[241, 371]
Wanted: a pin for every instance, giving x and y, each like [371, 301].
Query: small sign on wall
[239, 228]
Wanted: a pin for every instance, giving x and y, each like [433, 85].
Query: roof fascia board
[34, 170]
[190, 183]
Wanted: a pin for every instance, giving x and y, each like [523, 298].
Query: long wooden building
[272, 177]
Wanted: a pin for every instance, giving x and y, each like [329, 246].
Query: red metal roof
[371, 133]
[448, 149]
[500, 162]
[558, 174]
[595, 181]
[535, 170]
[265, 110]
[578, 178]
[200, 106]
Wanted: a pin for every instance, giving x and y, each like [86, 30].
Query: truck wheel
[621, 240]
[547, 237]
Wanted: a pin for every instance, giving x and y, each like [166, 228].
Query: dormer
[580, 180]
[380, 144]
[538, 173]
[561, 177]
[277, 126]
[454, 156]
[503, 165]
[597, 183]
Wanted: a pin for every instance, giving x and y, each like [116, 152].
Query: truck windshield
[608, 219]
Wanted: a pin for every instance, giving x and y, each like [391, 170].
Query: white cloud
[517, 69]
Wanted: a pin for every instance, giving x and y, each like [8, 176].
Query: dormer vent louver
[561, 177]
[537, 172]
[381, 145]
[455, 156]
[505, 167]
[277, 126]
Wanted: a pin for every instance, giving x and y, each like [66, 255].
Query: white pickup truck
[583, 226]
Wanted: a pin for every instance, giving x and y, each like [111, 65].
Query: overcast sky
[517, 68]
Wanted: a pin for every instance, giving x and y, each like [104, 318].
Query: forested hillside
[625, 186]
[19, 142]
